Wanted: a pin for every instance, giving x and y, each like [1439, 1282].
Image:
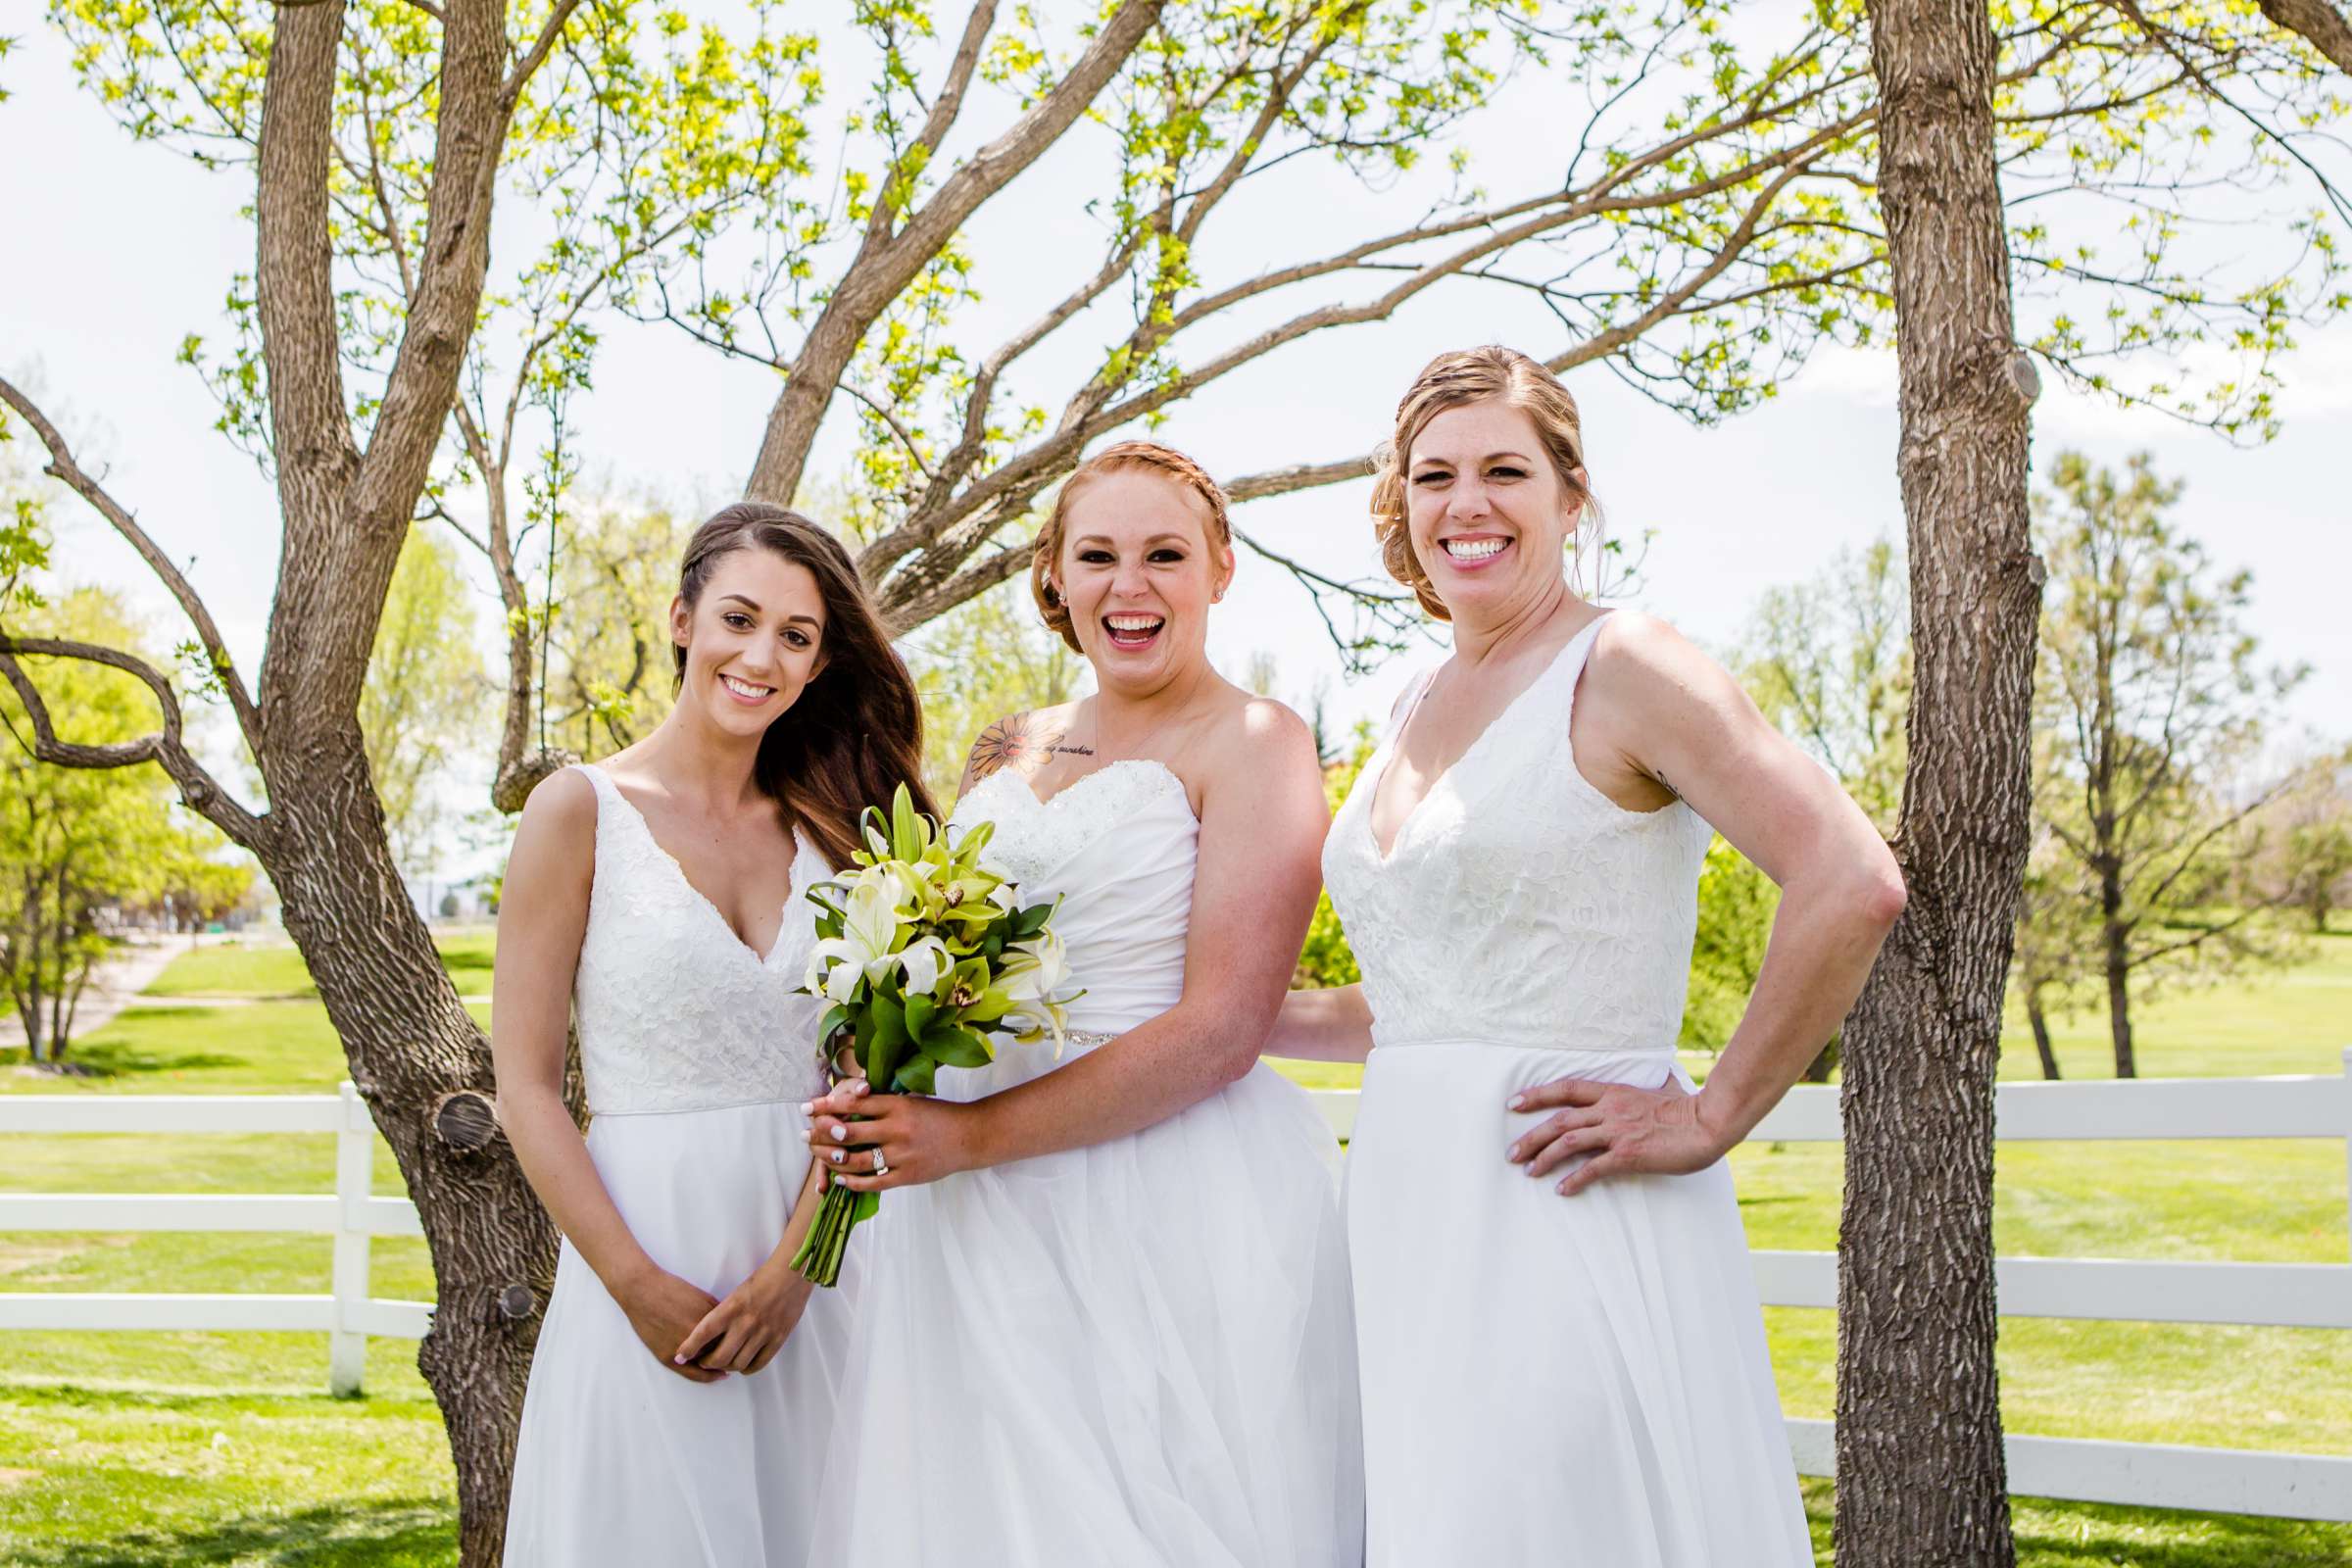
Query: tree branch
[510, 90]
[2318, 24]
[876, 279]
[939, 120]
[164, 749]
[65, 470]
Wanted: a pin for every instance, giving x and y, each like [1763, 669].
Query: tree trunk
[1921, 1477]
[412, 1045]
[2118, 964]
[1826, 1064]
[2042, 1033]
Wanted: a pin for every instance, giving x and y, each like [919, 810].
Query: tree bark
[411, 1045]
[2321, 25]
[2041, 1034]
[1922, 1480]
[2116, 960]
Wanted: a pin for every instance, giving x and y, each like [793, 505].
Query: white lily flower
[1034, 970]
[925, 963]
[870, 926]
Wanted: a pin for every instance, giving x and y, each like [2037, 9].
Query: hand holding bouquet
[925, 956]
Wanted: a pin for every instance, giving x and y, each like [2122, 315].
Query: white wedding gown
[698, 1058]
[1561, 1380]
[1136, 1352]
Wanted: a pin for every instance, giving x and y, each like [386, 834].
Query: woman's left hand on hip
[1619, 1129]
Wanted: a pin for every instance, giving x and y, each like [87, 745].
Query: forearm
[1824, 941]
[796, 1231]
[1164, 1065]
[554, 1160]
[1333, 1024]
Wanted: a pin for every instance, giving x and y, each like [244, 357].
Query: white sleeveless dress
[698, 1058]
[1546, 1379]
[1133, 1354]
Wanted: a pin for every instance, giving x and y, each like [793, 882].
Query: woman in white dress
[682, 1393]
[1572, 1367]
[1106, 1315]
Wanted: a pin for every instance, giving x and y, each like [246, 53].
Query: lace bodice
[1519, 904]
[675, 1012]
[1117, 847]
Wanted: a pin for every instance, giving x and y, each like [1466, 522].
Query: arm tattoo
[1019, 743]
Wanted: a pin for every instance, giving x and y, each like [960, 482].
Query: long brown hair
[1452, 382]
[855, 733]
[1166, 461]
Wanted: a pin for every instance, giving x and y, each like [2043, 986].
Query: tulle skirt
[623, 1464]
[1561, 1380]
[1136, 1353]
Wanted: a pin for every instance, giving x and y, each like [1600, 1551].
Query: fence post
[355, 1171]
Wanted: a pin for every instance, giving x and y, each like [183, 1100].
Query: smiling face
[754, 639]
[1137, 569]
[1487, 514]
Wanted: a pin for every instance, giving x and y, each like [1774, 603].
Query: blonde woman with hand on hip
[1562, 1356]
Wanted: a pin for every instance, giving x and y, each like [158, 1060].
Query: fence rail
[352, 1214]
[2291, 1486]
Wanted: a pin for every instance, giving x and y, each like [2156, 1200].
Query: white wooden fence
[2288, 1485]
[353, 1217]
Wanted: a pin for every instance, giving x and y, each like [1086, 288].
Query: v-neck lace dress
[1557, 1380]
[1129, 1355]
[697, 1057]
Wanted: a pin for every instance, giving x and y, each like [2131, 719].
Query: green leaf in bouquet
[861, 1040]
[1028, 923]
[835, 1019]
[905, 829]
[889, 1018]
[920, 1011]
[917, 1075]
[958, 1047]
[868, 1204]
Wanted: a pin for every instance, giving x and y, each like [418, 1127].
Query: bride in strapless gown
[1132, 1352]
[1105, 1316]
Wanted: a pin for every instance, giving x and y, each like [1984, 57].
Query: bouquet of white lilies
[924, 956]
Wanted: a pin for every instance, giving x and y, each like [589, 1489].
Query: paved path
[126, 972]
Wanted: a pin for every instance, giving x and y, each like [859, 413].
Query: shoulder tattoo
[1021, 743]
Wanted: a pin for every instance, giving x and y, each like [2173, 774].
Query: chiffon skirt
[623, 1464]
[1133, 1354]
[1558, 1380]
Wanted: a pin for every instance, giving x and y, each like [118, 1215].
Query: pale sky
[115, 251]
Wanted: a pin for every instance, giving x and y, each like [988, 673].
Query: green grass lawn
[155, 1448]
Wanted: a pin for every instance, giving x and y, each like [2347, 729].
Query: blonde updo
[1151, 455]
[1455, 380]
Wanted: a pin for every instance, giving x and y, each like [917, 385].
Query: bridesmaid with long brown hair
[682, 1394]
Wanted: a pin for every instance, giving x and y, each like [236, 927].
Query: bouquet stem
[838, 1213]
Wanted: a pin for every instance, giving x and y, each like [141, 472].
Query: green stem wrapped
[820, 1259]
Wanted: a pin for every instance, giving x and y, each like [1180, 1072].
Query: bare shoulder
[1019, 741]
[561, 808]
[555, 843]
[1258, 737]
[1640, 665]
[1639, 647]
